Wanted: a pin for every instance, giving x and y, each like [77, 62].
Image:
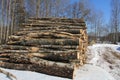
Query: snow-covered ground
[91, 72]
[107, 57]
[28, 75]
[103, 63]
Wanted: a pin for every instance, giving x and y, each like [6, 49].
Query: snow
[28, 75]
[103, 63]
[90, 72]
[105, 56]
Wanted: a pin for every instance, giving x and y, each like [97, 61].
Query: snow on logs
[48, 45]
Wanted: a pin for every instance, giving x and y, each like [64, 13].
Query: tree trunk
[34, 42]
[15, 47]
[2, 28]
[37, 7]
[60, 56]
[43, 66]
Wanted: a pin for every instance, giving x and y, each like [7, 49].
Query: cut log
[56, 56]
[14, 47]
[51, 24]
[51, 28]
[72, 31]
[34, 42]
[43, 66]
[43, 35]
[4, 59]
[39, 51]
[54, 35]
[14, 51]
[15, 58]
[58, 46]
[20, 33]
[16, 38]
[63, 57]
[57, 20]
[55, 47]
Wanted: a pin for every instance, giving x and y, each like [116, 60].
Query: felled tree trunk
[43, 66]
[16, 57]
[52, 47]
[45, 36]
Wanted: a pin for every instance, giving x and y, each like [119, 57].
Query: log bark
[34, 42]
[56, 47]
[43, 66]
[72, 31]
[58, 20]
[43, 36]
[51, 24]
[39, 51]
[28, 28]
[56, 56]
[14, 47]
[22, 32]
[54, 35]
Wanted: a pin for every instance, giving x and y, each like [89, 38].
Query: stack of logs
[46, 45]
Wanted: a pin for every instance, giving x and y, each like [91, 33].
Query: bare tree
[12, 16]
[7, 20]
[115, 18]
[79, 10]
[30, 6]
[37, 7]
[19, 13]
[2, 26]
[96, 24]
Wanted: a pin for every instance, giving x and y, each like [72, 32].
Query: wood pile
[47, 45]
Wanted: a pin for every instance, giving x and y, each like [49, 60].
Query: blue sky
[102, 5]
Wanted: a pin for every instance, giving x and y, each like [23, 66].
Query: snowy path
[90, 72]
[96, 57]
[106, 56]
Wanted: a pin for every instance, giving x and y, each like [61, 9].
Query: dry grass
[108, 59]
[111, 56]
[108, 56]
[116, 54]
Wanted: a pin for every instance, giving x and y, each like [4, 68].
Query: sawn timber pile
[48, 45]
